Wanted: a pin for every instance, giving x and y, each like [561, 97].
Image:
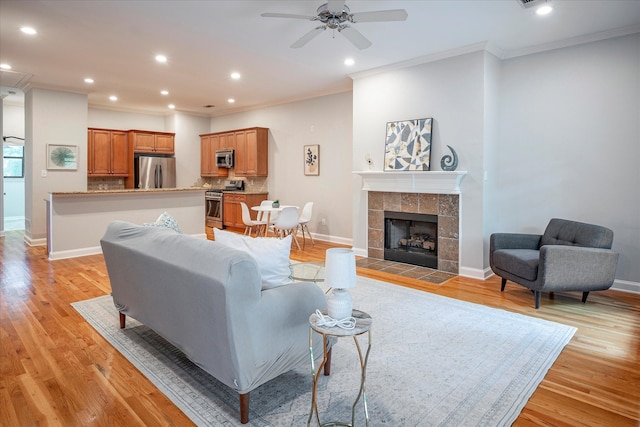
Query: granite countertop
[127, 190]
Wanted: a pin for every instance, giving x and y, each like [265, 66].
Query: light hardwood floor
[56, 370]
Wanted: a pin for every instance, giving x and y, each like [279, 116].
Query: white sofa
[208, 300]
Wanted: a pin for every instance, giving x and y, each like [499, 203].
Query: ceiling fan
[336, 15]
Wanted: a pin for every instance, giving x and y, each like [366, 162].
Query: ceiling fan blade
[355, 37]
[308, 37]
[380, 16]
[335, 6]
[287, 15]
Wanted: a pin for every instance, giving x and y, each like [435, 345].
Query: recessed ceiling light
[231, 100]
[235, 76]
[113, 98]
[544, 10]
[161, 58]
[171, 106]
[5, 66]
[164, 92]
[349, 62]
[88, 80]
[28, 30]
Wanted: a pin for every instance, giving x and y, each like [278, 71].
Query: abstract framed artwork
[312, 159]
[408, 145]
[62, 157]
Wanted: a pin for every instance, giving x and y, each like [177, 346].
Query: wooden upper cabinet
[251, 157]
[152, 142]
[208, 146]
[251, 150]
[108, 153]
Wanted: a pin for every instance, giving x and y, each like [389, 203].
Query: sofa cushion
[166, 221]
[271, 255]
[521, 262]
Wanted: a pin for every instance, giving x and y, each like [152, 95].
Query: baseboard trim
[626, 286]
[74, 253]
[332, 239]
[35, 242]
[475, 273]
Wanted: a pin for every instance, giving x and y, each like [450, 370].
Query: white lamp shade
[340, 268]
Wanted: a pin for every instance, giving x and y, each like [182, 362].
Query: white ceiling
[115, 42]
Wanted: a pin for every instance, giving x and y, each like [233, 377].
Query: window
[13, 161]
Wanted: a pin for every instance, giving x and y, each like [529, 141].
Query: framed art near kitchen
[62, 157]
[408, 145]
[312, 159]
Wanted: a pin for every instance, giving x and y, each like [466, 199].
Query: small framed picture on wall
[312, 159]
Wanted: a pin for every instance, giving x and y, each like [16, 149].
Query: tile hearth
[406, 270]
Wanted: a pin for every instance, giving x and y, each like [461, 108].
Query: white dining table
[268, 210]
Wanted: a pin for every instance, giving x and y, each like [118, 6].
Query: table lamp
[340, 274]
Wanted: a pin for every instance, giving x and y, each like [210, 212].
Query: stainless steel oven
[213, 208]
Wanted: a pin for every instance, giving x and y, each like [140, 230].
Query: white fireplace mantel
[430, 182]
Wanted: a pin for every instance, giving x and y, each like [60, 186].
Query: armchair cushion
[521, 262]
[572, 233]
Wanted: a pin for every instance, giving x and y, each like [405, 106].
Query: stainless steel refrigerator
[155, 172]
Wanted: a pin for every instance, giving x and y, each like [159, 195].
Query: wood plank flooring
[56, 370]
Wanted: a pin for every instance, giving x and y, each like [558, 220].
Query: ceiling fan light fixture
[336, 15]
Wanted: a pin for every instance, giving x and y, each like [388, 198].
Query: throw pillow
[165, 220]
[271, 255]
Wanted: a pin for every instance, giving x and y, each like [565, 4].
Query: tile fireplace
[441, 209]
[434, 193]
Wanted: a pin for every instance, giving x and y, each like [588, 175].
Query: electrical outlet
[323, 221]
[43, 173]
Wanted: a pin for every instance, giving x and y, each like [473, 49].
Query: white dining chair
[248, 222]
[287, 223]
[303, 222]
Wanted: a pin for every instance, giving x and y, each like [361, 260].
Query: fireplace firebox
[411, 238]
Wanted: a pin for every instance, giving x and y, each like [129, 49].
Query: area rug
[435, 361]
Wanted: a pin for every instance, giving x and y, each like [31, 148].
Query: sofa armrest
[514, 241]
[271, 334]
[576, 267]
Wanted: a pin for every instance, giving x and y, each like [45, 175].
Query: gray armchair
[569, 256]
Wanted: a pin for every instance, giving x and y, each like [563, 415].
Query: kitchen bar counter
[77, 220]
[129, 190]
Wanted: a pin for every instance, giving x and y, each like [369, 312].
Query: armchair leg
[537, 294]
[584, 296]
[504, 283]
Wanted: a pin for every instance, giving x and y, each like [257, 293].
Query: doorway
[13, 164]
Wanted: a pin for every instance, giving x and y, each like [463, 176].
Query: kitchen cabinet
[252, 152]
[108, 153]
[232, 216]
[208, 146]
[152, 142]
[251, 156]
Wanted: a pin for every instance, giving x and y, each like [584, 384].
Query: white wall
[188, 129]
[557, 133]
[326, 121]
[51, 117]
[112, 119]
[569, 142]
[452, 92]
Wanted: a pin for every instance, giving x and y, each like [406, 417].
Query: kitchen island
[77, 220]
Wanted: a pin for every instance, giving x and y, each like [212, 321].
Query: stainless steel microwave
[224, 158]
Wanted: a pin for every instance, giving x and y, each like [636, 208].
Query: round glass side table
[363, 325]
